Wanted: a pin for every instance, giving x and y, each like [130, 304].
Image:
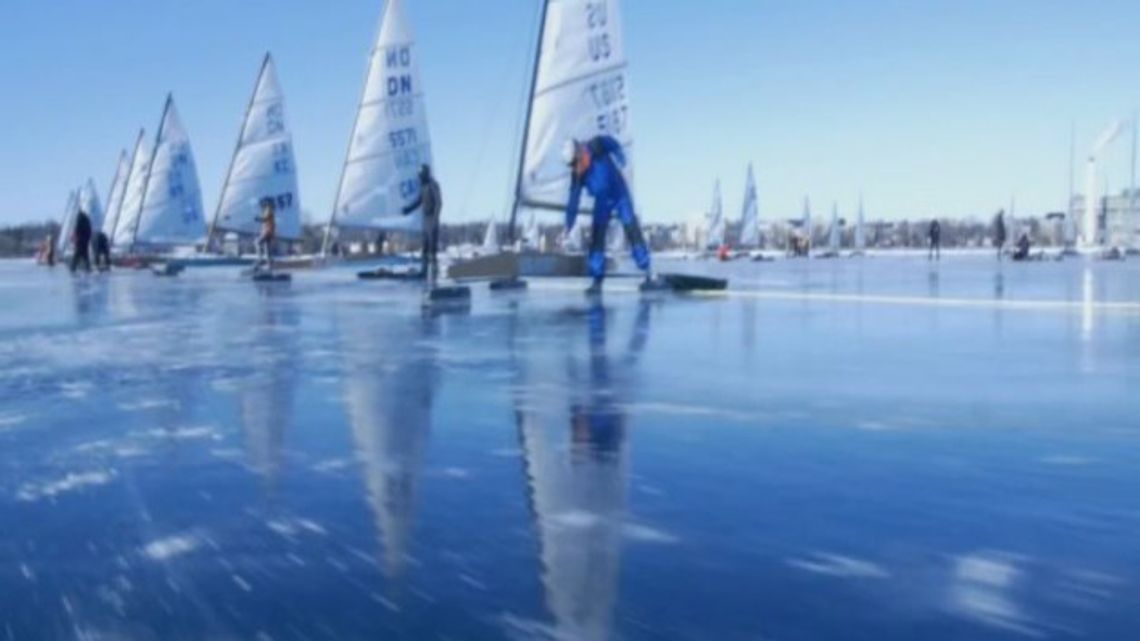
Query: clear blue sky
[946, 107]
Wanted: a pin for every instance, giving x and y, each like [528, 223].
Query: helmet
[569, 151]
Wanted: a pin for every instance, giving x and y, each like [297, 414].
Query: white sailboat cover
[90, 204]
[390, 139]
[67, 223]
[171, 212]
[860, 233]
[581, 90]
[115, 194]
[833, 237]
[716, 220]
[750, 217]
[263, 165]
[127, 218]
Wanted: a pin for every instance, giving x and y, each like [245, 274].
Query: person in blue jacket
[596, 165]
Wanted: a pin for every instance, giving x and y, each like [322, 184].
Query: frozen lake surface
[854, 449]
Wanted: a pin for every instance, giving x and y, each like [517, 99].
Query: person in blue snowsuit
[596, 165]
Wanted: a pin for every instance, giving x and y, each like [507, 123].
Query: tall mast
[149, 168]
[1130, 219]
[1072, 168]
[526, 122]
[237, 147]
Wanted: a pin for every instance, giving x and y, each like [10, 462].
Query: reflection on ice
[576, 459]
[390, 382]
[983, 588]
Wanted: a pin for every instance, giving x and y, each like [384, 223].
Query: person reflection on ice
[577, 490]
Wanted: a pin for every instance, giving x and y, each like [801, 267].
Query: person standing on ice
[934, 234]
[999, 232]
[596, 165]
[102, 250]
[264, 244]
[81, 240]
[431, 200]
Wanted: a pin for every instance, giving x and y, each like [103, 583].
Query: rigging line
[530, 57]
[488, 121]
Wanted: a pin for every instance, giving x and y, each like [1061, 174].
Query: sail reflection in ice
[266, 396]
[573, 434]
[390, 381]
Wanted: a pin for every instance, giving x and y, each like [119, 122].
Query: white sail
[860, 233]
[750, 217]
[127, 214]
[580, 90]
[491, 237]
[115, 193]
[1011, 223]
[67, 223]
[171, 212]
[716, 220]
[615, 239]
[263, 165]
[390, 139]
[532, 237]
[809, 232]
[90, 204]
[833, 234]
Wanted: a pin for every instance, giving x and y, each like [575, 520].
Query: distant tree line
[24, 240]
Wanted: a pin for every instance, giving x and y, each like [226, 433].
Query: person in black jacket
[430, 201]
[81, 242]
[102, 247]
[935, 235]
[999, 232]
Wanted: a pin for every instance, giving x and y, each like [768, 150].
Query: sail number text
[597, 19]
[610, 104]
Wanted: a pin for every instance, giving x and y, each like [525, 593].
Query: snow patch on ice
[289, 527]
[148, 404]
[11, 420]
[171, 546]
[32, 492]
[981, 589]
[186, 433]
[838, 565]
[332, 464]
[76, 391]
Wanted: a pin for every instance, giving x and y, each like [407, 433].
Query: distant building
[1118, 221]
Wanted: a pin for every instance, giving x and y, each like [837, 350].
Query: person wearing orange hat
[596, 166]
